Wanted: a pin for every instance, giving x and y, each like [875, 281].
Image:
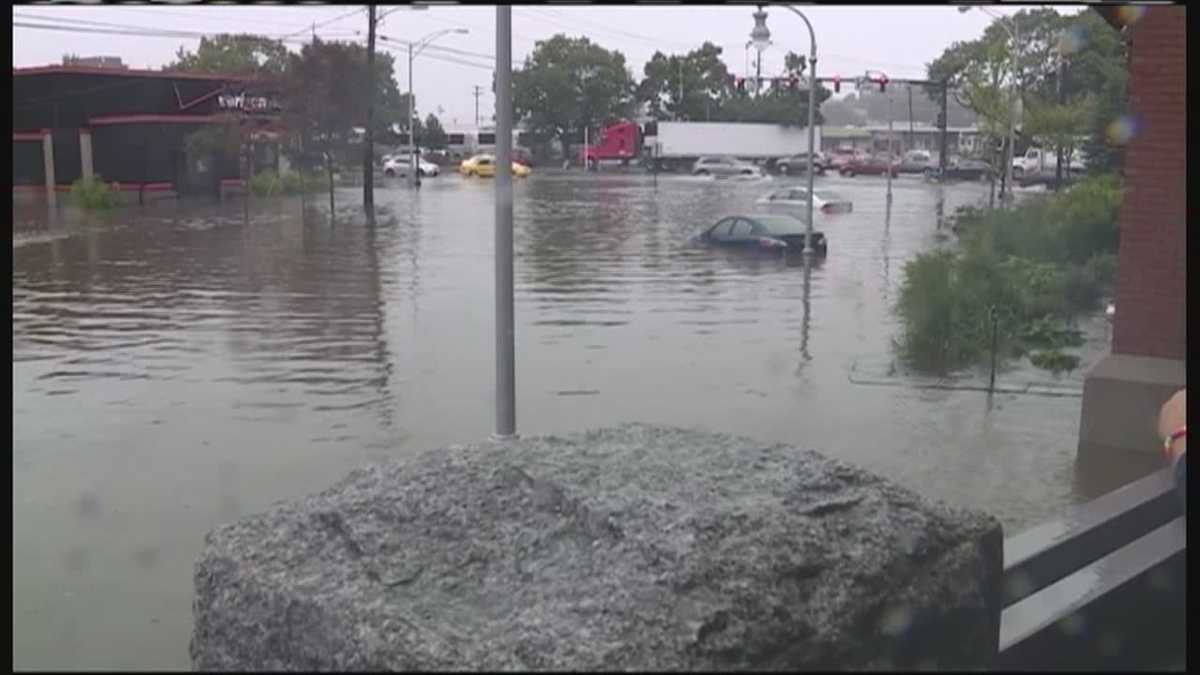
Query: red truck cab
[619, 141]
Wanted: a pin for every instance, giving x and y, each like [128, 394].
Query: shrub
[94, 193]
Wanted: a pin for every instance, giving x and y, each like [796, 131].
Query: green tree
[325, 98]
[1064, 59]
[693, 86]
[569, 84]
[234, 54]
[433, 136]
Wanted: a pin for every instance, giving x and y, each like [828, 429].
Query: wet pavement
[177, 366]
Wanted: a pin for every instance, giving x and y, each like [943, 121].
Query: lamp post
[762, 39]
[1011, 27]
[424, 42]
[506, 390]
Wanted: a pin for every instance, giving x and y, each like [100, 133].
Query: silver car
[724, 166]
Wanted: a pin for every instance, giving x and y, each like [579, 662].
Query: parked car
[767, 232]
[915, 161]
[876, 165]
[839, 157]
[484, 166]
[522, 156]
[797, 198]
[398, 165]
[961, 169]
[724, 166]
[799, 164]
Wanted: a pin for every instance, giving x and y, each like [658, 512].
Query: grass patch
[94, 193]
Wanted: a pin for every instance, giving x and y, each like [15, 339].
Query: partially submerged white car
[797, 198]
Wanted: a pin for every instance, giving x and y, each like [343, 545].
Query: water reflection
[175, 367]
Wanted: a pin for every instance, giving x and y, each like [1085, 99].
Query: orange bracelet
[1169, 442]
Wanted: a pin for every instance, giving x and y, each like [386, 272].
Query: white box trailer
[678, 144]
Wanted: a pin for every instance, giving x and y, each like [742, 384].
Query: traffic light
[941, 120]
[883, 83]
[837, 84]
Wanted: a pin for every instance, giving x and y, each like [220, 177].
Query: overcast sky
[896, 39]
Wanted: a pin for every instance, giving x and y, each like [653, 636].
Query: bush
[1068, 227]
[94, 193]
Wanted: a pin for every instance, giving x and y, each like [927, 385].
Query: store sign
[244, 103]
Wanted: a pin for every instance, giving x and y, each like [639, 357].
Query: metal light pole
[415, 168]
[762, 38]
[506, 391]
[1015, 34]
[891, 152]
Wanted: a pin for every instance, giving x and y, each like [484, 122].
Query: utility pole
[945, 125]
[369, 149]
[891, 153]
[1058, 160]
[506, 390]
[758, 75]
[414, 163]
[910, 119]
[478, 91]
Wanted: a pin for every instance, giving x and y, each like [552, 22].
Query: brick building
[1122, 393]
[128, 126]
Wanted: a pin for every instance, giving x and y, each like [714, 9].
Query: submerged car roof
[779, 223]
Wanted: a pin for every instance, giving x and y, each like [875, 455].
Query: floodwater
[176, 367]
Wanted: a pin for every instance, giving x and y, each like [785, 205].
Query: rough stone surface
[636, 547]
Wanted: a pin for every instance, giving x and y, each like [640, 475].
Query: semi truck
[677, 145]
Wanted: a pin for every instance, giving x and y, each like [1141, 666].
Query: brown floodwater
[180, 365]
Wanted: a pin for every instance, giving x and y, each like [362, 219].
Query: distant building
[967, 141]
[95, 62]
[130, 127]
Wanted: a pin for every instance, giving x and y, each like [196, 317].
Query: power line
[315, 26]
[617, 31]
[452, 50]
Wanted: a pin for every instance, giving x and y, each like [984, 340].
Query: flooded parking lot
[178, 366]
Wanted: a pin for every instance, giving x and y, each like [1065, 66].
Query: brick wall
[1152, 277]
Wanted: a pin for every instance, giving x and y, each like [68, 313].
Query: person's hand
[1173, 416]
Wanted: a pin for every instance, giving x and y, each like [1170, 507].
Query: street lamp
[762, 38]
[412, 108]
[1010, 26]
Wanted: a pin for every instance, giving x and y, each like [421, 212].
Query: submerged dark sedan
[762, 232]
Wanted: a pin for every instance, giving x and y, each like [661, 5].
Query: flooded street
[175, 368]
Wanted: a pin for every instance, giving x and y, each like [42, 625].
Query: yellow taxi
[484, 166]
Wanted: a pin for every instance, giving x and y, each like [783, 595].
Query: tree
[234, 54]
[570, 84]
[433, 136]
[688, 87]
[1093, 68]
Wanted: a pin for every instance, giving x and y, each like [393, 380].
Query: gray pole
[911, 141]
[506, 392]
[891, 152]
[1012, 112]
[945, 126]
[412, 127]
[369, 145]
[812, 108]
